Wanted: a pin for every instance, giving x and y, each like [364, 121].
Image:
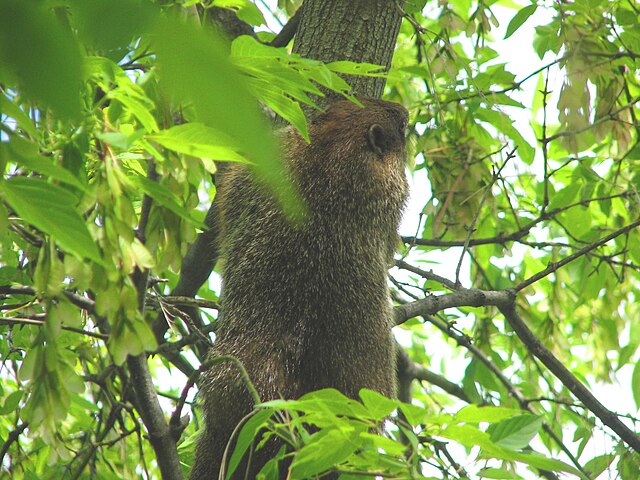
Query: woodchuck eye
[379, 141]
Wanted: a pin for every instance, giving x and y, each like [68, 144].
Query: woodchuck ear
[379, 140]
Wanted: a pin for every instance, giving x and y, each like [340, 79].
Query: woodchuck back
[305, 305]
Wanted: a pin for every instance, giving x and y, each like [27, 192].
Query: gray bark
[355, 30]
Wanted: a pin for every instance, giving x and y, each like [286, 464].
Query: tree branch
[410, 370]
[196, 267]
[505, 301]
[464, 297]
[147, 404]
[427, 275]
[556, 265]
[512, 237]
[535, 346]
[40, 323]
[226, 20]
[78, 300]
[182, 300]
[12, 437]
[287, 33]
[148, 407]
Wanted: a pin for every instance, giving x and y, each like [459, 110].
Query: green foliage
[112, 113]
[33, 42]
[332, 433]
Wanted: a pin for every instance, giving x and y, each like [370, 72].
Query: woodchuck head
[356, 158]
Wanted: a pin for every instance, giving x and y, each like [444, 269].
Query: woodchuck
[305, 305]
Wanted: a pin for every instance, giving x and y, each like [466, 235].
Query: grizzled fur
[306, 306]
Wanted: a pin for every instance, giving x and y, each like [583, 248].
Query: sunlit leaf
[635, 384]
[516, 432]
[519, 18]
[23, 121]
[476, 414]
[246, 437]
[198, 140]
[323, 452]
[379, 405]
[26, 154]
[51, 209]
[599, 464]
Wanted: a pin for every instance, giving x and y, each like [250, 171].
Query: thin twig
[556, 265]
[516, 236]
[474, 222]
[40, 323]
[12, 437]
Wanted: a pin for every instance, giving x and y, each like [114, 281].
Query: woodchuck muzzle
[305, 305]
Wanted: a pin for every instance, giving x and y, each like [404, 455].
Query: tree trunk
[355, 30]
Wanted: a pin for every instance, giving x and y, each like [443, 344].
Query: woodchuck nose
[305, 305]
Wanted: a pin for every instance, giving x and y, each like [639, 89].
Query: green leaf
[635, 384]
[542, 462]
[270, 470]
[390, 446]
[415, 6]
[324, 407]
[135, 106]
[130, 335]
[414, 413]
[378, 405]
[505, 125]
[164, 197]
[50, 208]
[597, 465]
[515, 433]
[578, 220]
[247, 46]
[111, 24]
[629, 466]
[245, 10]
[498, 474]
[9, 108]
[142, 257]
[286, 108]
[199, 140]
[119, 139]
[547, 38]
[495, 75]
[246, 437]
[326, 449]
[41, 56]
[85, 404]
[566, 196]
[11, 402]
[476, 414]
[333, 401]
[519, 18]
[26, 154]
[470, 436]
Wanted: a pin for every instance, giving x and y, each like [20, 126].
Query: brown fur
[306, 306]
